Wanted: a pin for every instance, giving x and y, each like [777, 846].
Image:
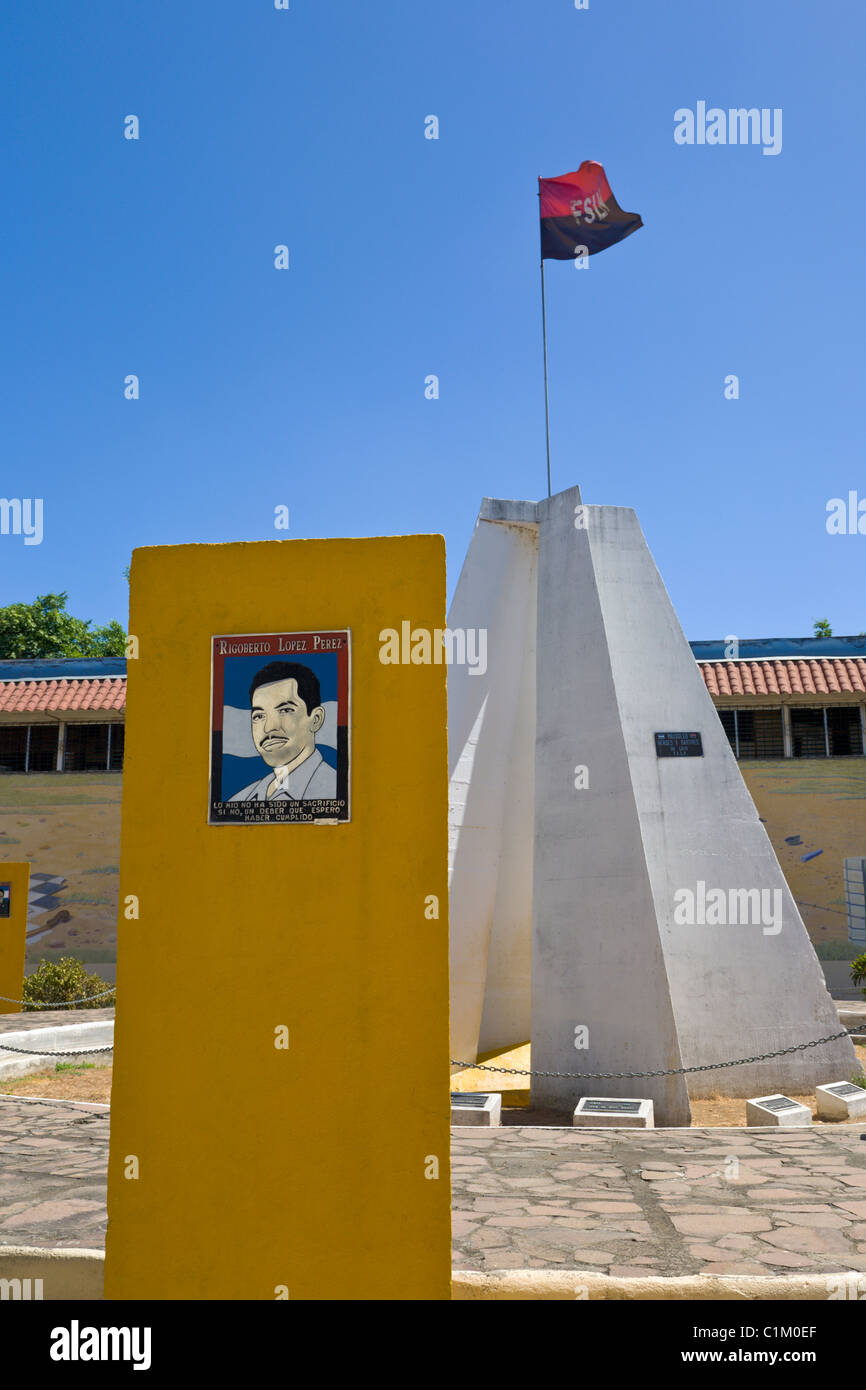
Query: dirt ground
[80, 1084]
[95, 1084]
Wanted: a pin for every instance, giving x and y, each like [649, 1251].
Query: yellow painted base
[239, 1169]
[13, 934]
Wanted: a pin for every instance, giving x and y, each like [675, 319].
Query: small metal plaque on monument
[679, 745]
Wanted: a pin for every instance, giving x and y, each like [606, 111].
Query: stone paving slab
[632, 1203]
[626, 1203]
[53, 1162]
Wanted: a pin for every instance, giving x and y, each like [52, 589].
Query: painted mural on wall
[814, 812]
[280, 728]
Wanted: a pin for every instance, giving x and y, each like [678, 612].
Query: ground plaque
[476, 1108]
[840, 1101]
[610, 1111]
[777, 1110]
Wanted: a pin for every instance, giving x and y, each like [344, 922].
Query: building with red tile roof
[62, 715]
[801, 697]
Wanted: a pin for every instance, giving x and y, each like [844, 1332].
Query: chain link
[62, 1004]
[673, 1071]
[73, 1052]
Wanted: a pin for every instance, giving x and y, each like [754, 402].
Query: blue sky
[411, 256]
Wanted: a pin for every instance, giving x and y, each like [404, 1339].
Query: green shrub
[57, 981]
[858, 971]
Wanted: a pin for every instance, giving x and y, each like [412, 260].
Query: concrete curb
[77, 1275]
[62, 1038]
[64, 1274]
[562, 1285]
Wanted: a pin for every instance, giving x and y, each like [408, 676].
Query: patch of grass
[75, 1066]
[42, 791]
[835, 950]
[91, 899]
[107, 869]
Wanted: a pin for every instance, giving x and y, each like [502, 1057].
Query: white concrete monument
[614, 896]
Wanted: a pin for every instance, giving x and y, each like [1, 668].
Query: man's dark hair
[308, 683]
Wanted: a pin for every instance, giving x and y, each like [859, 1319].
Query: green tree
[822, 627]
[45, 629]
[59, 981]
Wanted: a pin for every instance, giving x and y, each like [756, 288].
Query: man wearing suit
[5, 900]
[286, 714]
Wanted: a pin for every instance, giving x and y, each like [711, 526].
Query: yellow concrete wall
[13, 931]
[261, 1168]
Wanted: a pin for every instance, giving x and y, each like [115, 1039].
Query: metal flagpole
[546, 394]
[544, 339]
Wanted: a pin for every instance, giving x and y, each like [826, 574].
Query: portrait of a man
[5, 899]
[280, 728]
[285, 715]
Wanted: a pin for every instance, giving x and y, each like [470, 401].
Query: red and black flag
[579, 210]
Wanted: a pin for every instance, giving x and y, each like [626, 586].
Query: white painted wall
[491, 733]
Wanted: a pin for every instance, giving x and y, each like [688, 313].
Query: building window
[832, 731]
[844, 731]
[754, 733]
[13, 749]
[86, 748]
[28, 748]
[807, 733]
[89, 748]
[43, 748]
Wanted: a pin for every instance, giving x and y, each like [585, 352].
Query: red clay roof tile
[794, 676]
[106, 694]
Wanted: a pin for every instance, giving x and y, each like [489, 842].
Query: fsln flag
[578, 210]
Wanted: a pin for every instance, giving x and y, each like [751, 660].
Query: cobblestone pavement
[660, 1202]
[630, 1203]
[53, 1159]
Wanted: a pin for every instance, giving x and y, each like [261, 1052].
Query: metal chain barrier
[61, 1004]
[673, 1071]
[70, 1052]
